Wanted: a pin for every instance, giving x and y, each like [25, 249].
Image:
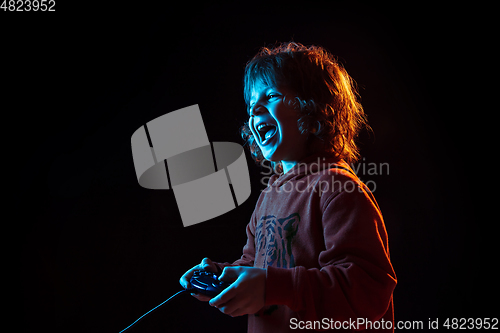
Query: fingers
[231, 310]
[229, 274]
[206, 264]
[245, 295]
[225, 301]
[201, 297]
[223, 297]
[184, 280]
[229, 304]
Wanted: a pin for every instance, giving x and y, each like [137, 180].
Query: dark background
[97, 250]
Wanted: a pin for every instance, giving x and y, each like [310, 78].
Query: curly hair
[325, 96]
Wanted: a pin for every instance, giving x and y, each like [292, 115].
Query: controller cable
[156, 307]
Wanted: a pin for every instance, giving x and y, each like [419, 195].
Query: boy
[317, 254]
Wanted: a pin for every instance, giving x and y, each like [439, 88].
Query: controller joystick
[207, 283]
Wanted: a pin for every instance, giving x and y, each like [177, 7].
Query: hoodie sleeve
[355, 278]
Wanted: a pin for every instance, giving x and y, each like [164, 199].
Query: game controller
[207, 283]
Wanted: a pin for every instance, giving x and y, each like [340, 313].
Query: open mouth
[266, 132]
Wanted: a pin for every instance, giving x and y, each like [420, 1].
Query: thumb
[208, 265]
[230, 274]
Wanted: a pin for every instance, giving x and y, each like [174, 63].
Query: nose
[257, 109]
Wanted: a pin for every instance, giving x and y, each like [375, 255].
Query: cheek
[287, 118]
[250, 125]
[290, 129]
[255, 135]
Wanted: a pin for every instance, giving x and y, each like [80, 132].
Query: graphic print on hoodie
[274, 241]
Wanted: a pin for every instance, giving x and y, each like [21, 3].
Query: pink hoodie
[320, 234]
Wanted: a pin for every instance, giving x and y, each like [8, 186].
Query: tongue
[270, 133]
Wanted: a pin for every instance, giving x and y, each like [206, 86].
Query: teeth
[262, 125]
[268, 133]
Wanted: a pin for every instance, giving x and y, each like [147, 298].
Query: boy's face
[274, 124]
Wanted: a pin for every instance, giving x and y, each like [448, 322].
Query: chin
[270, 156]
[272, 159]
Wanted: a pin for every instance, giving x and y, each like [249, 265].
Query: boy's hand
[246, 295]
[207, 265]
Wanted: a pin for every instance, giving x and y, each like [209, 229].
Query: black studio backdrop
[98, 250]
